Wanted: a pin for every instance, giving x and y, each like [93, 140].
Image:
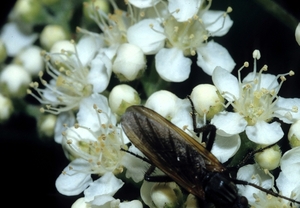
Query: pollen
[100, 147]
[257, 102]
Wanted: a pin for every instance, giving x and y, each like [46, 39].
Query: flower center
[258, 94]
[101, 148]
[186, 36]
[69, 84]
[255, 104]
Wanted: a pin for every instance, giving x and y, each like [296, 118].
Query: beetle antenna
[136, 155]
[236, 181]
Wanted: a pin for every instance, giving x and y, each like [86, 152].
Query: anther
[256, 54]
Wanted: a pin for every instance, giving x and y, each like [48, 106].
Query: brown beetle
[183, 159]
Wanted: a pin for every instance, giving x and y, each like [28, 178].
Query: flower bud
[191, 202]
[80, 203]
[297, 34]
[294, 134]
[14, 81]
[27, 10]
[164, 103]
[207, 100]
[130, 62]
[269, 158]
[46, 125]
[166, 195]
[121, 97]
[88, 7]
[31, 59]
[3, 52]
[6, 108]
[51, 34]
[62, 45]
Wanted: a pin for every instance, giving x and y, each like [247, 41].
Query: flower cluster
[128, 57]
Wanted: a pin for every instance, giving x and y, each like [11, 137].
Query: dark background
[30, 165]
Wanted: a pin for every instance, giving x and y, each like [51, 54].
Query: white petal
[226, 83]
[225, 147]
[268, 81]
[297, 33]
[74, 180]
[129, 62]
[79, 203]
[100, 73]
[31, 59]
[148, 39]
[288, 185]
[187, 9]
[87, 48]
[264, 133]
[253, 174]
[229, 123]
[87, 115]
[64, 118]
[290, 163]
[212, 55]
[209, 18]
[146, 193]
[103, 189]
[163, 102]
[135, 167]
[287, 115]
[130, 204]
[172, 65]
[15, 39]
[144, 3]
[182, 117]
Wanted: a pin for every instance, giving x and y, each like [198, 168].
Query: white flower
[114, 27]
[13, 80]
[102, 189]
[288, 186]
[255, 101]
[6, 108]
[294, 134]
[115, 203]
[46, 125]
[225, 147]
[72, 181]
[20, 39]
[184, 10]
[207, 100]
[160, 195]
[135, 167]
[96, 138]
[253, 174]
[51, 34]
[297, 34]
[143, 3]
[171, 107]
[129, 62]
[269, 159]
[183, 38]
[121, 97]
[290, 163]
[95, 144]
[30, 58]
[75, 75]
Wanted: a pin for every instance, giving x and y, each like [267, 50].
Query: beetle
[183, 159]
